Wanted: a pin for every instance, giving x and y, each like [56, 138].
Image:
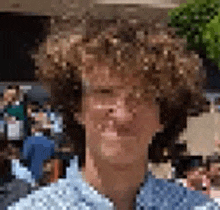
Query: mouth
[121, 132]
[114, 136]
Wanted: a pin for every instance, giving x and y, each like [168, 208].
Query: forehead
[103, 76]
[10, 91]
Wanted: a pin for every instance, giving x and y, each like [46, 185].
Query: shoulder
[159, 192]
[13, 191]
[63, 194]
[39, 140]
[45, 196]
[70, 192]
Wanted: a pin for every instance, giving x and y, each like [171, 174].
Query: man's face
[119, 122]
[201, 177]
[10, 95]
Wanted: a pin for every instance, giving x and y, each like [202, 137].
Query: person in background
[48, 120]
[44, 121]
[14, 100]
[15, 180]
[123, 84]
[205, 178]
[38, 148]
[15, 114]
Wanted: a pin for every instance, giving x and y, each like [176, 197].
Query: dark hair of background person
[5, 163]
[175, 92]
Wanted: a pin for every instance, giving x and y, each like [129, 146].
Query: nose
[121, 112]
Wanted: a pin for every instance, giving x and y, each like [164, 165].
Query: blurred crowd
[32, 133]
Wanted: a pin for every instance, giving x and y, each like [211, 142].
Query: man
[14, 99]
[15, 180]
[133, 85]
[205, 178]
[15, 108]
[36, 150]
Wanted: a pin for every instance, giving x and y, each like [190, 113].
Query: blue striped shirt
[74, 193]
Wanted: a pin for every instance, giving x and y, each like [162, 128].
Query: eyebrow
[113, 87]
[109, 89]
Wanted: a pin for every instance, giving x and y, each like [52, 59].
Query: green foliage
[211, 39]
[191, 19]
[201, 1]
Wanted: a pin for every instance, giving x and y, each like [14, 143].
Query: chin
[120, 160]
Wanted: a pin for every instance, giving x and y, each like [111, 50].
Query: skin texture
[119, 126]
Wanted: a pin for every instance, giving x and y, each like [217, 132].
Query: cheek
[94, 118]
[92, 132]
[147, 125]
[143, 119]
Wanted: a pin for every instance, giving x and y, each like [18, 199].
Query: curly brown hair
[170, 73]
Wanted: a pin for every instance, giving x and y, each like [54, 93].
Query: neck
[119, 184]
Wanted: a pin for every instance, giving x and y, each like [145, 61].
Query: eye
[106, 91]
